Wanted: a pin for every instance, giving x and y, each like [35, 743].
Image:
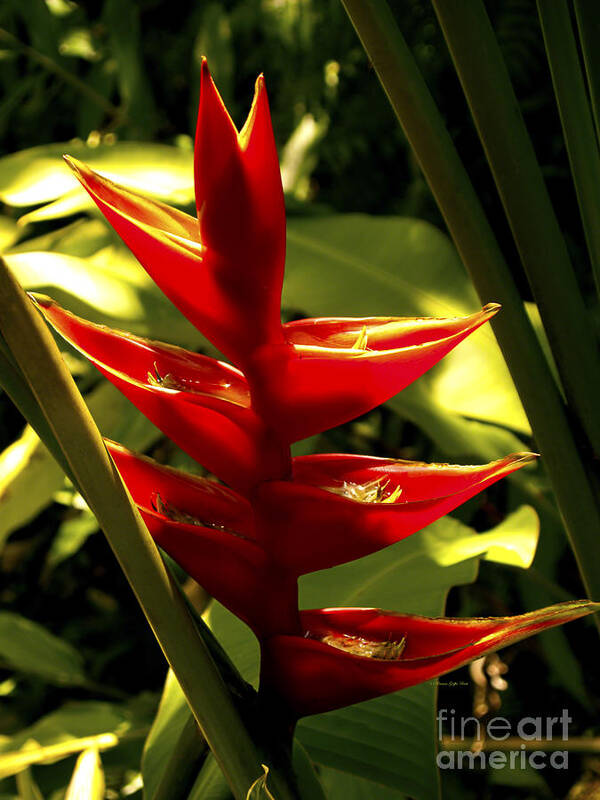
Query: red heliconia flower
[280, 518]
[347, 655]
[341, 507]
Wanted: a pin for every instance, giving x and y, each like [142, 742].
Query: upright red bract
[281, 517]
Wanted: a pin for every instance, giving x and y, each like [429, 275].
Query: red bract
[283, 517]
[200, 403]
[224, 270]
[209, 530]
[347, 655]
[306, 388]
[338, 508]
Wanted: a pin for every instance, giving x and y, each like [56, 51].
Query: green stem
[588, 23]
[576, 119]
[536, 232]
[470, 230]
[17, 388]
[39, 359]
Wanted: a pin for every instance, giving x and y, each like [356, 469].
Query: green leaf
[513, 542]
[81, 238]
[70, 537]
[9, 232]
[456, 436]
[28, 478]
[70, 203]
[28, 647]
[11, 763]
[73, 728]
[87, 782]
[210, 784]
[173, 748]
[27, 787]
[109, 287]
[343, 786]
[390, 740]
[39, 175]
[355, 265]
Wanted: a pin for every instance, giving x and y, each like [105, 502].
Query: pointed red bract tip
[349, 655]
[333, 370]
[340, 508]
[200, 403]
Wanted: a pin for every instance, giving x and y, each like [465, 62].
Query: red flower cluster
[282, 517]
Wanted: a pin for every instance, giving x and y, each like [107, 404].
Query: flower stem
[475, 241]
[576, 119]
[37, 356]
[535, 229]
[17, 388]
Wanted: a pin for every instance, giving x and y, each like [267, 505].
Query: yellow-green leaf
[39, 175]
[13, 762]
[87, 782]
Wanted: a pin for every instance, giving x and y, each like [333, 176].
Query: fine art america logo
[518, 749]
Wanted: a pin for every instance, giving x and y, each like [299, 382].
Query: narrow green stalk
[576, 119]
[40, 361]
[535, 229]
[17, 388]
[588, 24]
[475, 241]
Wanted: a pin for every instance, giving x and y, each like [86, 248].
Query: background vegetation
[96, 75]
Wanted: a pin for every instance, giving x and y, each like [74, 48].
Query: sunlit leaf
[28, 477]
[39, 175]
[9, 232]
[87, 782]
[356, 265]
[81, 238]
[72, 202]
[73, 728]
[455, 435]
[299, 157]
[513, 541]
[109, 287]
[12, 762]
